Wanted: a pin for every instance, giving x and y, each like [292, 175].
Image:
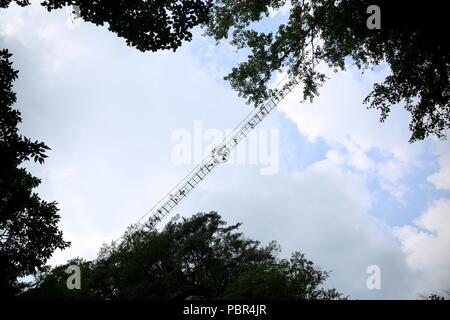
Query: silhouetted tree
[146, 25]
[296, 278]
[411, 40]
[51, 283]
[28, 225]
[6, 3]
[200, 256]
[444, 295]
[434, 296]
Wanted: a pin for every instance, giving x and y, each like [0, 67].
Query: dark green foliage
[53, 282]
[28, 225]
[296, 278]
[412, 40]
[200, 256]
[146, 25]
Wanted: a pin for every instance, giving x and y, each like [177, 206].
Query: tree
[53, 281]
[434, 296]
[6, 3]
[444, 295]
[201, 257]
[28, 225]
[146, 25]
[410, 41]
[296, 278]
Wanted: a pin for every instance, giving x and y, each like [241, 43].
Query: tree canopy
[410, 41]
[28, 225]
[200, 256]
[6, 3]
[146, 25]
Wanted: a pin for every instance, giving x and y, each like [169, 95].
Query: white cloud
[31, 24]
[390, 173]
[427, 246]
[339, 116]
[323, 211]
[87, 245]
[12, 25]
[353, 132]
[441, 179]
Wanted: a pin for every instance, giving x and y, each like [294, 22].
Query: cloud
[441, 179]
[12, 25]
[323, 211]
[339, 117]
[370, 149]
[427, 246]
[390, 174]
[26, 26]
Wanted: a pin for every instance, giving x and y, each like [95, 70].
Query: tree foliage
[28, 225]
[146, 25]
[411, 40]
[201, 257]
[6, 3]
[53, 281]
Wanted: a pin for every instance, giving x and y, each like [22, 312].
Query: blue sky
[350, 192]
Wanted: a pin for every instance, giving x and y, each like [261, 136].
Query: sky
[324, 178]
